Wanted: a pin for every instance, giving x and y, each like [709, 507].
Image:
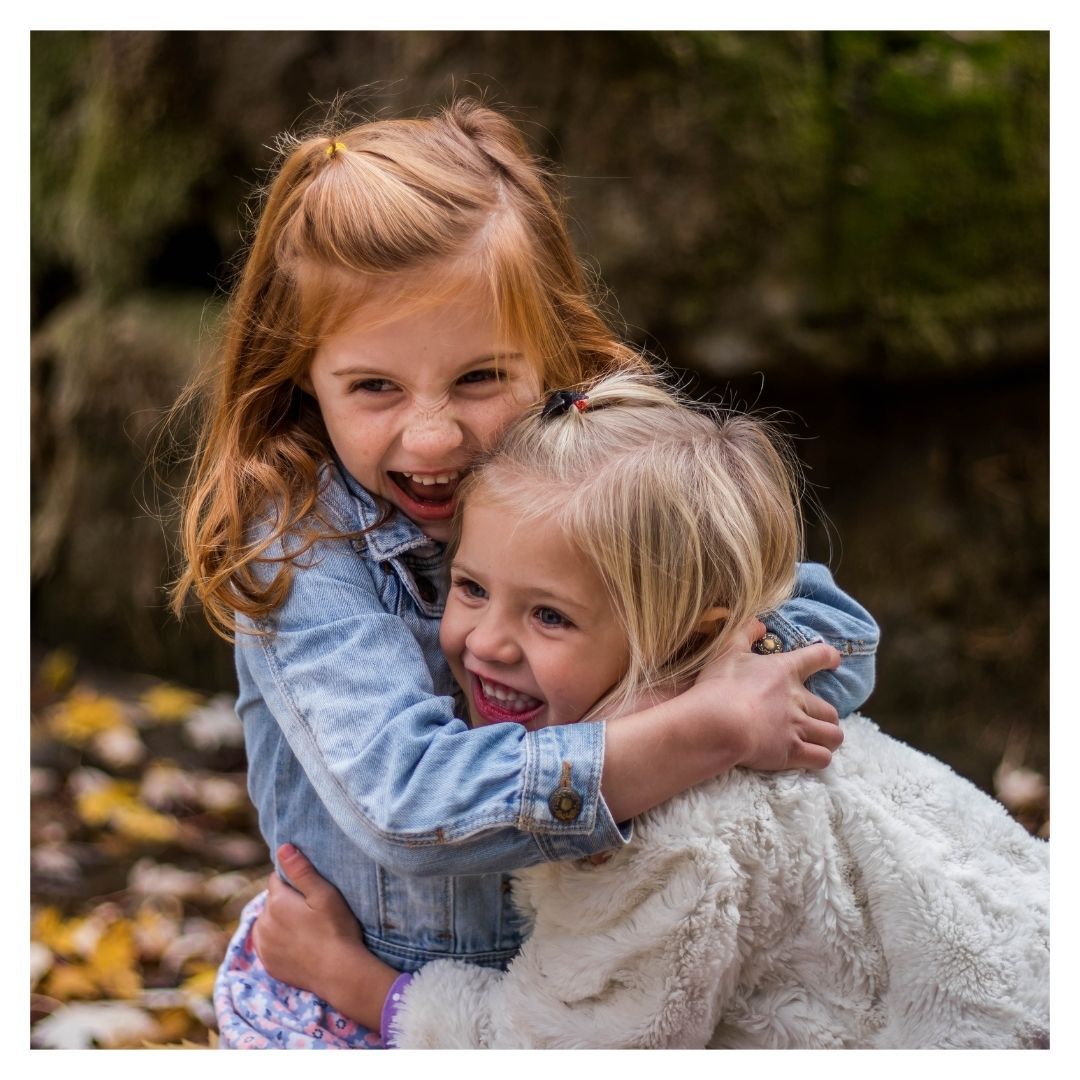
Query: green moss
[940, 191]
[114, 156]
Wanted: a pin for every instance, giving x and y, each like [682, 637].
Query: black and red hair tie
[560, 402]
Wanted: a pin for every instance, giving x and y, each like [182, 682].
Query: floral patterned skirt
[257, 1012]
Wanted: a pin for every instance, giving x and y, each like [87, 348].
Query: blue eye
[470, 588]
[550, 617]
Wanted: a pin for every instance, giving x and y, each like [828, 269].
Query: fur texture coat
[884, 902]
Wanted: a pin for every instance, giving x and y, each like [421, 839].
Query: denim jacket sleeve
[819, 611]
[350, 685]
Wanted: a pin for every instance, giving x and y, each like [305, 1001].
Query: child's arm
[341, 683]
[785, 726]
[775, 723]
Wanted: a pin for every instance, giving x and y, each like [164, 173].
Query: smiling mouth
[431, 494]
[498, 704]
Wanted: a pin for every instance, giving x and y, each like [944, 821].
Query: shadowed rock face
[860, 216]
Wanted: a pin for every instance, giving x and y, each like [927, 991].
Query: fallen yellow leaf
[83, 714]
[114, 961]
[96, 805]
[153, 932]
[67, 981]
[116, 803]
[201, 984]
[52, 929]
[138, 822]
[174, 1024]
[169, 704]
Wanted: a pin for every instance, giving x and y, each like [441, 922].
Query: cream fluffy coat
[884, 902]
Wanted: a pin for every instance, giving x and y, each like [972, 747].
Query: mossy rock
[101, 377]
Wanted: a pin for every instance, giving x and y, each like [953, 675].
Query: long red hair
[350, 215]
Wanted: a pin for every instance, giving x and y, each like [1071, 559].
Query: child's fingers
[292, 857]
[318, 893]
[822, 733]
[304, 877]
[812, 756]
[281, 896]
[755, 630]
[814, 658]
[819, 708]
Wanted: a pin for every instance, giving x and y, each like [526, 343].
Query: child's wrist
[716, 737]
[357, 986]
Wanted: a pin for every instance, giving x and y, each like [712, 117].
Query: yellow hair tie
[334, 148]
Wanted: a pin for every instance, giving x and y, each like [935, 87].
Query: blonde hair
[372, 215]
[681, 509]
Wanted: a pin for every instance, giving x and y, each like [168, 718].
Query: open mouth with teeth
[427, 496]
[498, 704]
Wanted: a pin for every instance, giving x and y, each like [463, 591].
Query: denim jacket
[356, 754]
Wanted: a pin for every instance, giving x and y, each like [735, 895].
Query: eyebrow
[486, 358]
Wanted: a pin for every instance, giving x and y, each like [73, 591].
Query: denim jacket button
[565, 804]
[768, 645]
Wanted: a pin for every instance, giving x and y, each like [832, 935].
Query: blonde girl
[613, 546]
[410, 290]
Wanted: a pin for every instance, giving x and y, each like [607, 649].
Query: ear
[707, 624]
[305, 384]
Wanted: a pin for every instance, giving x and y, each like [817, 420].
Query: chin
[437, 530]
[439, 533]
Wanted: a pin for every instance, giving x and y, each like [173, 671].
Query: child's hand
[783, 724]
[307, 936]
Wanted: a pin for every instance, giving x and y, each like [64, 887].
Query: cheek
[572, 685]
[585, 683]
[493, 417]
[335, 417]
[452, 631]
[362, 434]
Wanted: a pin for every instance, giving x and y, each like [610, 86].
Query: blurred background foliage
[852, 226]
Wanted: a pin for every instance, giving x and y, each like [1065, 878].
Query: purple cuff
[390, 1008]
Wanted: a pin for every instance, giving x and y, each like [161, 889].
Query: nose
[491, 641]
[431, 433]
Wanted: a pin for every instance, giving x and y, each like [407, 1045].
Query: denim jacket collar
[391, 539]
[399, 543]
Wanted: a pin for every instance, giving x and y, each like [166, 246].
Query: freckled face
[528, 630]
[407, 403]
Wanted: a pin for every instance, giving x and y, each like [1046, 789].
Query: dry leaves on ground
[144, 849]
